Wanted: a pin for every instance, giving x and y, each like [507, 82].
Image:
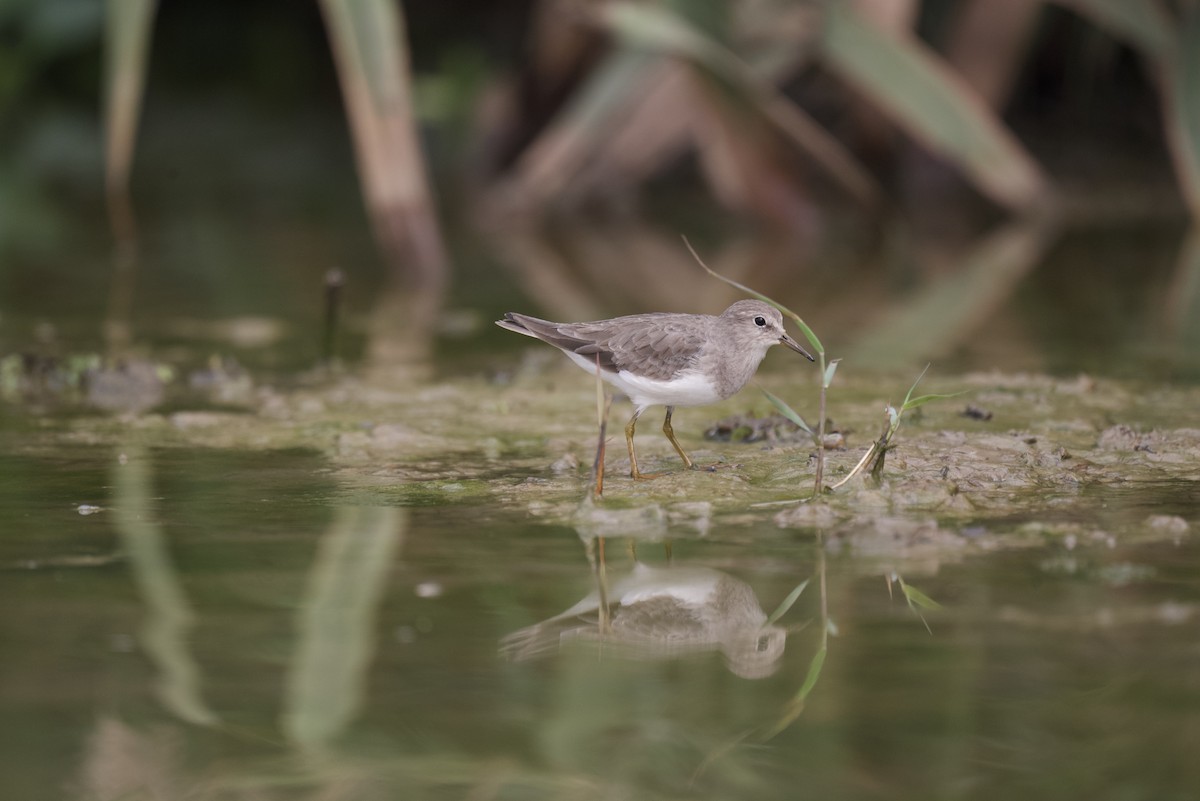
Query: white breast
[686, 389]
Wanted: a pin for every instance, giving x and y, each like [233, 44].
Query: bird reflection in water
[663, 613]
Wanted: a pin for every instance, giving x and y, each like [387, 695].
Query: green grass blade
[659, 28]
[804, 329]
[1183, 110]
[921, 401]
[914, 386]
[1145, 24]
[787, 602]
[942, 314]
[829, 371]
[788, 412]
[907, 80]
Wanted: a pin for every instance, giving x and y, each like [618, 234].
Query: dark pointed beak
[791, 343]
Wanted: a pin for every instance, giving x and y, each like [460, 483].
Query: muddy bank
[1016, 459]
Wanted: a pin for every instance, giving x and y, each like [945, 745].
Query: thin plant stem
[819, 437]
[603, 404]
[819, 478]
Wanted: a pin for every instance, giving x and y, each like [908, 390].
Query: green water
[234, 624]
[266, 579]
[310, 586]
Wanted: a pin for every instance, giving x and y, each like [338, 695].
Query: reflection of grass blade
[918, 598]
[917, 601]
[907, 80]
[788, 412]
[814, 673]
[168, 614]
[337, 620]
[796, 705]
[941, 315]
[787, 603]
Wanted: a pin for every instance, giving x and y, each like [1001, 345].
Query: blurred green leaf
[1183, 108]
[943, 313]
[787, 411]
[127, 46]
[656, 27]
[1145, 24]
[907, 80]
[591, 114]
[1182, 313]
[370, 46]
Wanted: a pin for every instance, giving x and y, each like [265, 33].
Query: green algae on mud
[1049, 447]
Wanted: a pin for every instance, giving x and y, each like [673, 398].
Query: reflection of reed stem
[169, 617]
[336, 623]
[824, 595]
[595, 554]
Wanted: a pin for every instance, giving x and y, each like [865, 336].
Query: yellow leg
[629, 429]
[670, 432]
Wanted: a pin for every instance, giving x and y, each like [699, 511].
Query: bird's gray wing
[561, 335]
[655, 345]
[652, 345]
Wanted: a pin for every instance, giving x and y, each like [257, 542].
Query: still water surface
[229, 625]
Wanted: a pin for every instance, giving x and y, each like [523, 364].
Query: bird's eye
[760, 321]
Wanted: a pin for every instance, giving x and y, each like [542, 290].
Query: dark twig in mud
[335, 279]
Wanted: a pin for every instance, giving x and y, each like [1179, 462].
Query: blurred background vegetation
[993, 182]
